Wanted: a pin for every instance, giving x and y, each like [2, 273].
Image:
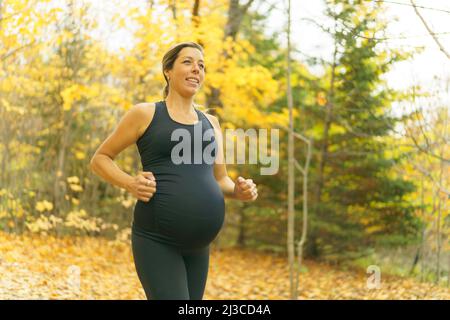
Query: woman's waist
[190, 198]
[181, 210]
[169, 168]
[175, 183]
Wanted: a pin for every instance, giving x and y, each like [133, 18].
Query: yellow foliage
[43, 206]
[336, 129]
[127, 203]
[10, 108]
[321, 99]
[70, 95]
[37, 267]
[76, 187]
[80, 220]
[80, 155]
[43, 223]
[233, 174]
[73, 179]
[374, 228]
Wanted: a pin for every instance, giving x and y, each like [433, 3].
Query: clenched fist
[143, 186]
[245, 190]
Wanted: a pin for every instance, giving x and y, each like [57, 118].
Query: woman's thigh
[197, 264]
[160, 268]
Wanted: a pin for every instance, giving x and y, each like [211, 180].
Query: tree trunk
[236, 12]
[323, 157]
[438, 235]
[173, 7]
[291, 173]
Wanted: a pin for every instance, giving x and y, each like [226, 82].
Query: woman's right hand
[143, 186]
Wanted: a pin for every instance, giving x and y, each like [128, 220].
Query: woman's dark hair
[170, 57]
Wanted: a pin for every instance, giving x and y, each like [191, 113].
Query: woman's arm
[125, 134]
[245, 189]
[220, 169]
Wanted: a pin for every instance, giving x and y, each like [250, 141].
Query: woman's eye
[202, 66]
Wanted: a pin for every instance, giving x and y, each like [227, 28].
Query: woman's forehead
[192, 53]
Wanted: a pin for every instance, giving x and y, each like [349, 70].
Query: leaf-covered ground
[33, 267]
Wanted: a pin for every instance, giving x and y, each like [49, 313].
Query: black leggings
[169, 273]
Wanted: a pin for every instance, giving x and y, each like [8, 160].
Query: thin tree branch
[441, 47]
[12, 52]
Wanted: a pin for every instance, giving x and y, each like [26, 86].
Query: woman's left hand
[245, 189]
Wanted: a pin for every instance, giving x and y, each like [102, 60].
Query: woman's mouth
[192, 82]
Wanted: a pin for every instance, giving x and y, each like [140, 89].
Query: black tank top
[188, 207]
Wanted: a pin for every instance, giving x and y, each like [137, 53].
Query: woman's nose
[196, 67]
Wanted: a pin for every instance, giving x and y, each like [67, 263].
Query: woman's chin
[191, 91]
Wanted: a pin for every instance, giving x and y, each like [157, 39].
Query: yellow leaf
[73, 179]
[40, 206]
[44, 205]
[321, 99]
[80, 155]
[76, 187]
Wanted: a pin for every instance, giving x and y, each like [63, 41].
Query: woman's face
[188, 72]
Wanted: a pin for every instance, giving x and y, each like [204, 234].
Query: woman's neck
[180, 104]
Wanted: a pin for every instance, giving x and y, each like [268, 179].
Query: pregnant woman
[180, 193]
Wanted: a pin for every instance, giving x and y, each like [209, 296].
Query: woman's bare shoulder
[144, 115]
